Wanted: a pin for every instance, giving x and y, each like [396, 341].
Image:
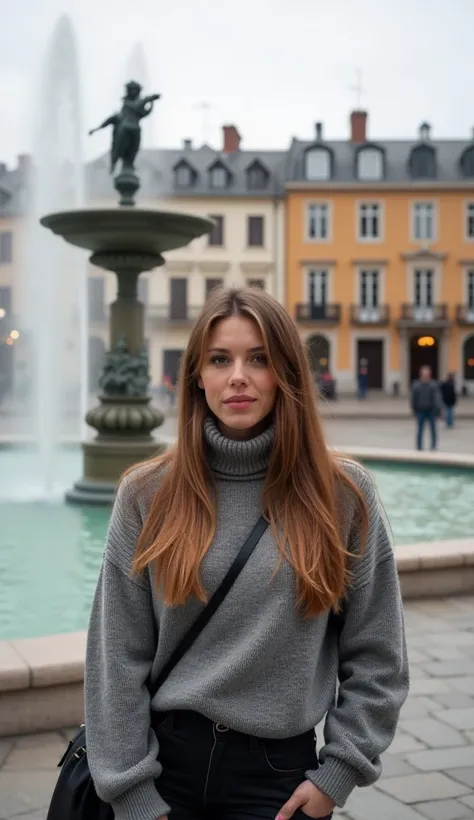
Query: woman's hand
[308, 799]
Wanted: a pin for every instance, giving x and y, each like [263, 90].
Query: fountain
[54, 309]
[128, 241]
[137, 67]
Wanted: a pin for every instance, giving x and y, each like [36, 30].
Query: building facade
[380, 255]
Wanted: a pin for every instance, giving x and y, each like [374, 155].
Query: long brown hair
[303, 483]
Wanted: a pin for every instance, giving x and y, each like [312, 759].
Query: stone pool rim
[41, 679]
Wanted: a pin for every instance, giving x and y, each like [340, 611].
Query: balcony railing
[174, 314]
[415, 314]
[326, 314]
[361, 315]
[464, 315]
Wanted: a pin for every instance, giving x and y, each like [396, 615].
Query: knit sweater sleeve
[373, 666]
[122, 748]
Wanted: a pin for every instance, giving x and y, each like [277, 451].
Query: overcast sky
[272, 67]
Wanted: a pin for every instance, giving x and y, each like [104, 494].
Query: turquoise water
[50, 553]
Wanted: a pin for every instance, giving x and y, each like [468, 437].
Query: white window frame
[318, 204]
[468, 206]
[373, 203]
[424, 204]
[370, 313]
[320, 177]
[363, 155]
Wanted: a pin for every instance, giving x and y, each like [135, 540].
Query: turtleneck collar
[236, 459]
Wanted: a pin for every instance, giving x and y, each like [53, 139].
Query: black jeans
[211, 772]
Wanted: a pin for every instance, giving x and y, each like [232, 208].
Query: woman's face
[238, 382]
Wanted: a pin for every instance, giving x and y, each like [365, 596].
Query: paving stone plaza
[429, 768]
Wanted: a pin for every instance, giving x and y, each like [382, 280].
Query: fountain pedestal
[127, 241]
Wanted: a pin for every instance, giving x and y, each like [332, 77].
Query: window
[96, 298]
[467, 163]
[216, 237]
[423, 295]
[470, 290]
[211, 285]
[256, 283]
[318, 221]
[4, 197]
[423, 162]
[369, 294]
[370, 164]
[5, 301]
[178, 298]
[183, 176]
[470, 220]
[369, 221]
[423, 221]
[218, 177]
[318, 164]
[6, 247]
[257, 177]
[318, 293]
[255, 232]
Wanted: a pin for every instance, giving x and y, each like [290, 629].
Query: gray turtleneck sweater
[258, 667]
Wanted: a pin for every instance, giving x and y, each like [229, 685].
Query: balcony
[465, 315]
[174, 315]
[363, 316]
[415, 316]
[318, 314]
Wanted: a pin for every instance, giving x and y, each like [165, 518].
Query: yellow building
[380, 255]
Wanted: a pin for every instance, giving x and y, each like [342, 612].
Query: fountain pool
[50, 552]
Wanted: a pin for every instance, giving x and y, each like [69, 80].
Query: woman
[230, 735]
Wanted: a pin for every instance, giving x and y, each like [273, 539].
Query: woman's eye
[219, 359]
[260, 358]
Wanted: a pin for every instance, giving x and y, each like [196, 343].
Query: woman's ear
[200, 383]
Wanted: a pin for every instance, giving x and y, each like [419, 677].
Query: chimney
[24, 162]
[187, 145]
[425, 132]
[318, 130]
[231, 139]
[358, 127]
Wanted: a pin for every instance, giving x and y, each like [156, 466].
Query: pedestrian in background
[427, 405]
[449, 396]
[363, 379]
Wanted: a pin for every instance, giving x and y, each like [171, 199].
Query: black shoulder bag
[74, 797]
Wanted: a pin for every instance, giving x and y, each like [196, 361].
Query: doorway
[424, 351]
[319, 351]
[171, 361]
[372, 350]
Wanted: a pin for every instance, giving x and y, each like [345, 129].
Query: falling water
[137, 69]
[54, 275]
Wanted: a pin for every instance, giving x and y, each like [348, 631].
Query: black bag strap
[212, 605]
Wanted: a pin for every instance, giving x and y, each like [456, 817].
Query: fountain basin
[127, 229]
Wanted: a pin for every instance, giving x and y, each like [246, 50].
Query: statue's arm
[109, 121]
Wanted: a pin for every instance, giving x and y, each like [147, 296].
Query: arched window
[317, 164]
[319, 351]
[468, 358]
[467, 163]
[184, 175]
[257, 177]
[219, 177]
[423, 162]
[370, 164]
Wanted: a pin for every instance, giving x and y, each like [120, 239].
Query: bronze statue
[126, 126]
[124, 375]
